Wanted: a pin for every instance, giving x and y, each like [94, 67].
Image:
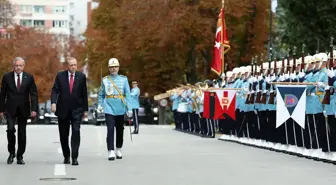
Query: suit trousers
[22, 124]
[75, 120]
[117, 122]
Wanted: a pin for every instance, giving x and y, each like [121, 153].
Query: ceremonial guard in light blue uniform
[331, 108]
[114, 97]
[175, 98]
[135, 93]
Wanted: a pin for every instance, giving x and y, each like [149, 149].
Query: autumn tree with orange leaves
[164, 43]
[39, 50]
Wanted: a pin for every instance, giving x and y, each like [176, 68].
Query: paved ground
[158, 156]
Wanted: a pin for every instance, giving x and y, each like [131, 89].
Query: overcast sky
[274, 4]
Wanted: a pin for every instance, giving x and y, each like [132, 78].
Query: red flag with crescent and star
[222, 45]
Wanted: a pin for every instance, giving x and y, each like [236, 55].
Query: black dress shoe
[134, 132]
[74, 162]
[20, 161]
[66, 160]
[10, 159]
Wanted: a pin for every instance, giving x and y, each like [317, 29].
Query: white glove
[325, 113]
[327, 87]
[330, 73]
[281, 78]
[273, 78]
[254, 79]
[100, 108]
[286, 76]
[259, 77]
[129, 114]
[255, 112]
[292, 76]
[301, 74]
[252, 91]
[267, 79]
[321, 84]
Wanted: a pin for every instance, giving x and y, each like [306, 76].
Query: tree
[166, 43]
[6, 13]
[41, 56]
[306, 22]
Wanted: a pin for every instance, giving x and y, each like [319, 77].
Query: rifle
[326, 98]
[247, 101]
[254, 85]
[302, 64]
[268, 85]
[258, 99]
[272, 94]
[294, 61]
[288, 64]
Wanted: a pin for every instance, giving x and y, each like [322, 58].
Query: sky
[274, 4]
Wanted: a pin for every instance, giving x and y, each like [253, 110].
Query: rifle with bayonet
[247, 101]
[326, 98]
[272, 93]
[254, 85]
[258, 99]
[268, 85]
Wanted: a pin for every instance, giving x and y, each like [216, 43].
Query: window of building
[59, 9]
[38, 23]
[38, 9]
[72, 17]
[26, 8]
[26, 23]
[72, 5]
[60, 24]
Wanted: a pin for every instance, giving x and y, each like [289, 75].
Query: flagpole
[222, 35]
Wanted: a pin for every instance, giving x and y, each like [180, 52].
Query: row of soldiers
[256, 103]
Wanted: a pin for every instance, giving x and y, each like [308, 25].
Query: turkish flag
[222, 45]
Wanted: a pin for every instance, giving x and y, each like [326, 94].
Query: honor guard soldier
[135, 93]
[114, 97]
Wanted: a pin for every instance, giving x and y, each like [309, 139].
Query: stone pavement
[157, 156]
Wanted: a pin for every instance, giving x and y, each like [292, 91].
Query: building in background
[63, 18]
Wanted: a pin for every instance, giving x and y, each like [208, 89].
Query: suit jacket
[77, 101]
[25, 98]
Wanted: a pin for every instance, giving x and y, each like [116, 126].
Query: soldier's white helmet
[324, 57]
[113, 62]
[298, 61]
[279, 64]
[229, 74]
[265, 65]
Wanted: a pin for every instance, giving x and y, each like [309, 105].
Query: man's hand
[1, 114]
[33, 114]
[85, 114]
[53, 107]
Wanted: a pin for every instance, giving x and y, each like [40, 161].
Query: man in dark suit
[18, 101]
[69, 101]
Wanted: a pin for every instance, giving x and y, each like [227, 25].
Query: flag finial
[222, 3]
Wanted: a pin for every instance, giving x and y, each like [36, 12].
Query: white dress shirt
[16, 78]
[70, 76]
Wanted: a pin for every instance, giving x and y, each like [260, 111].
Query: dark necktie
[18, 82]
[71, 82]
